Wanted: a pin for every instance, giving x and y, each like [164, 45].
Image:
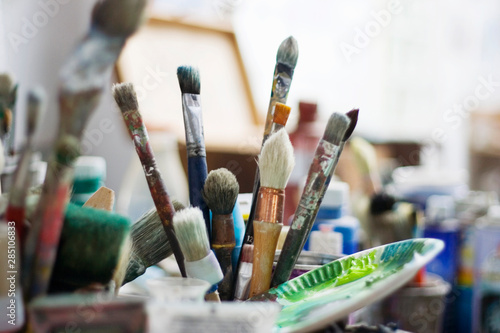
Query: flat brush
[17, 195]
[276, 163]
[126, 99]
[286, 60]
[149, 243]
[201, 262]
[242, 286]
[220, 193]
[189, 82]
[83, 79]
[320, 171]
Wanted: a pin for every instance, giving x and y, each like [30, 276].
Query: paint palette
[329, 293]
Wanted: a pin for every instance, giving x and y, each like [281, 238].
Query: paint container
[325, 240]
[304, 139]
[93, 312]
[441, 224]
[418, 308]
[90, 174]
[177, 289]
[415, 184]
[308, 261]
[486, 298]
[209, 317]
[333, 207]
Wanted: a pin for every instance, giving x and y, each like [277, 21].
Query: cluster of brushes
[202, 236]
[60, 245]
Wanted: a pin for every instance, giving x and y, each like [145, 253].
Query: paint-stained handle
[266, 238]
[223, 243]
[197, 174]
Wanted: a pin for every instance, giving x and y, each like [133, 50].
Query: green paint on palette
[334, 290]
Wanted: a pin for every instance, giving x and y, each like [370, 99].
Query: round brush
[220, 193]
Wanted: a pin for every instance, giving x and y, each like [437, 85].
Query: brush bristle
[364, 154]
[336, 128]
[189, 79]
[36, 103]
[276, 160]
[247, 253]
[118, 17]
[221, 191]
[281, 113]
[125, 97]
[5, 86]
[353, 117]
[288, 52]
[191, 233]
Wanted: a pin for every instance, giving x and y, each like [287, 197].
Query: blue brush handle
[197, 174]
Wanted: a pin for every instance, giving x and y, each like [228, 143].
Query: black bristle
[353, 116]
[189, 79]
[381, 203]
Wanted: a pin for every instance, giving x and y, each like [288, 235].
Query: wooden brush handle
[155, 182]
[223, 243]
[266, 238]
[197, 174]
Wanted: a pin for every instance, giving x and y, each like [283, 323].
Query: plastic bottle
[304, 139]
[486, 304]
[90, 174]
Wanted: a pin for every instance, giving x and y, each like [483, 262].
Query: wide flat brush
[17, 195]
[286, 60]
[201, 262]
[126, 99]
[83, 79]
[149, 243]
[320, 171]
[220, 193]
[276, 163]
[189, 82]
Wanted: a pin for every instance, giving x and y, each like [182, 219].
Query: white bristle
[276, 160]
[191, 232]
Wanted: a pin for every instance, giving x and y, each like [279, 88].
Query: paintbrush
[242, 286]
[280, 117]
[149, 243]
[82, 81]
[201, 262]
[17, 195]
[276, 163]
[189, 82]
[320, 172]
[8, 94]
[220, 193]
[286, 60]
[127, 102]
[103, 198]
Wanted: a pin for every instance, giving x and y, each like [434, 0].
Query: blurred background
[424, 74]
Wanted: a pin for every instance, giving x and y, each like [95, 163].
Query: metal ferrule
[193, 125]
[270, 204]
[223, 231]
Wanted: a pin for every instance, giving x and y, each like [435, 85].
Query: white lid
[494, 212]
[440, 207]
[424, 176]
[89, 167]
[336, 195]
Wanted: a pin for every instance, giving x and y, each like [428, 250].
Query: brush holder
[178, 289]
